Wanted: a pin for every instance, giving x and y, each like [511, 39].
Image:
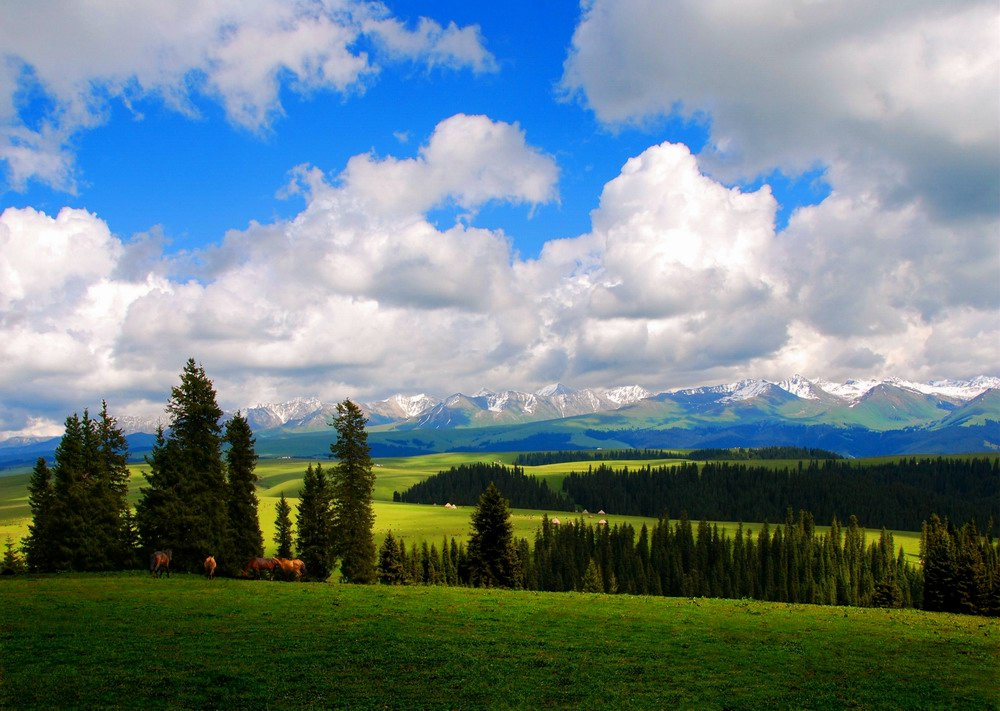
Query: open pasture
[128, 640]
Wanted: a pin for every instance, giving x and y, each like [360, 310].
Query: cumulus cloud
[899, 105]
[469, 160]
[78, 59]
[681, 280]
[849, 84]
[676, 269]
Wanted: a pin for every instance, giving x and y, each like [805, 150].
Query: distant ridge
[855, 418]
[896, 400]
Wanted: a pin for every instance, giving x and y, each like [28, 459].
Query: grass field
[415, 523]
[128, 640]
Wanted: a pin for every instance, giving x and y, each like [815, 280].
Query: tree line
[959, 569]
[462, 485]
[534, 459]
[200, 497]
[899, 495]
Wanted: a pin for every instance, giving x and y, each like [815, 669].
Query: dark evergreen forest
[464, 484]
[898, 495]
[784, 563]
[534, 459]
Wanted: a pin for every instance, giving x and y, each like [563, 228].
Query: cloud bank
[681, 280]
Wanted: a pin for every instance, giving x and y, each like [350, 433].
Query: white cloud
[852, 85]
[677, 269]
[897, 102]
[84, 57]
[681, 281]
[469, 160]
[452, 46]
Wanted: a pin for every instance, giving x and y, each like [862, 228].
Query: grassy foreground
[127, 640]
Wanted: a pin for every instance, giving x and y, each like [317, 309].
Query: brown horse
[290, 569]
[257, 567]
[159, 563]
[210, 567]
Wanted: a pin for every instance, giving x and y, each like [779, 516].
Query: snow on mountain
[747, 390]
[799, 387]
[403, 406]
[958, 389]
[626, 394]
[262, 417]
[555, 389]
[558, 400]
[849, 390]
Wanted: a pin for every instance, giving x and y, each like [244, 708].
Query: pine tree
[940, 562]
[39, 543]
[185, 507]
[592, 581]
[492, 556]
[972, 582]
[241, 463]
[283, 528]
[315, 542]
[70, 478]
[353, 482]
[390, 564]
[83, 508]
[109, 493]
[12, 563]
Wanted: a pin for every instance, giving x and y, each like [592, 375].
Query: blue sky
[334, 198]
[210, 176]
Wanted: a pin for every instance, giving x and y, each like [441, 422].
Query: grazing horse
[290, 568]
[210, 567]
[257, 566]
[159, 562]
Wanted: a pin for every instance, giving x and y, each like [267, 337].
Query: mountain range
[855, 418]
[874, 404]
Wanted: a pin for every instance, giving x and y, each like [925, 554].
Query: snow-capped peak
[555, 389]
[849, 389]
[746, 390]
[626, 394]
[799, 386]
[411, 405]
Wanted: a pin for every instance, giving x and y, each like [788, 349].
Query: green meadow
[415, 523]
[132, 641]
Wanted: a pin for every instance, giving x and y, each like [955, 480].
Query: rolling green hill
[131, 641]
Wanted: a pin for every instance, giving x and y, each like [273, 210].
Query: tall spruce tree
[82, 511]
[70, 479]
[493, 558]
[185, 506]
[39, 543]
[109, 497]
[315, 542]
[241, 464]
[283, 535]
[353, 482]
[937, 549]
